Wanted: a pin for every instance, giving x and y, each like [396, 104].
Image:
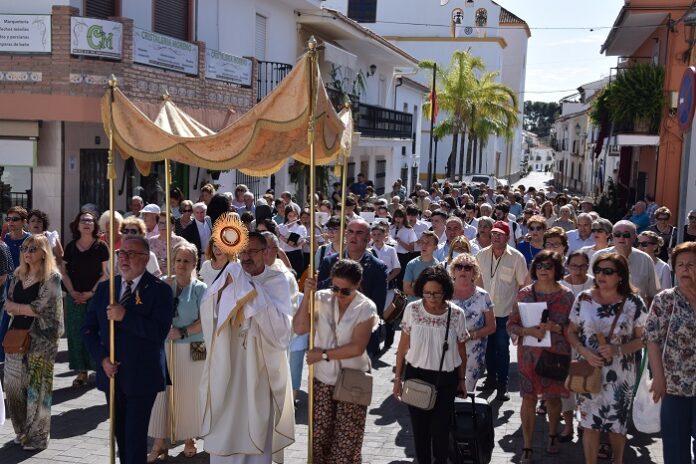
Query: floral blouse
[679, 359]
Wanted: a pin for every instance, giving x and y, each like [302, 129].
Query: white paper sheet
[531, 317]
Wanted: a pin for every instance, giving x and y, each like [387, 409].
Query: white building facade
[433, 30]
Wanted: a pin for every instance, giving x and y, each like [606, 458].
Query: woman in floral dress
[34, 302]
[591, 322]
[478, 308]
[546, 270]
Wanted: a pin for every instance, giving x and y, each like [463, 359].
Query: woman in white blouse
[425, 321]
[292, 244]
[345, 319]
[405, 238]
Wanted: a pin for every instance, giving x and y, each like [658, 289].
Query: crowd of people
[229, 332]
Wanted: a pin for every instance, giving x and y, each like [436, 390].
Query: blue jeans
[678, 421]
[498, 352]
[296, 364]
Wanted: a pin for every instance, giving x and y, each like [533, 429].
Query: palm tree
[453, 86]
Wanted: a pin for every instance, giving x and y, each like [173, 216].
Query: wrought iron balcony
[270, 74]
[375, 121]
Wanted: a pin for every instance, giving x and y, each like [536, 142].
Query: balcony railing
[269, 76]
[375, 121]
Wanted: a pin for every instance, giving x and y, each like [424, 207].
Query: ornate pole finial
[312, 44]
[166, 96]
[113, 82]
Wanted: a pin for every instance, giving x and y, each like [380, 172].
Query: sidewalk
[80, 428]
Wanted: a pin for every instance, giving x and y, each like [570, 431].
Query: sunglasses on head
[463, 267]
[604, 270]
[646, 243]
[342, 291]
[624, 234]
[544, 265]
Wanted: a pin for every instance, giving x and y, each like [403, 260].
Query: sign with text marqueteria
[229, 68]
[96, 37]
[164, 52]
[25, 33]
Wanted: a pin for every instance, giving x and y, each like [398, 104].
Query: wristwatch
[325, 356]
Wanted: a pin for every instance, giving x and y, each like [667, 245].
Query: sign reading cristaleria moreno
[165, 52]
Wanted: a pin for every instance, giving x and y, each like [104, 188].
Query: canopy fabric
[258, 143]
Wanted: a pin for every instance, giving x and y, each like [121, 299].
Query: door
[94, 187]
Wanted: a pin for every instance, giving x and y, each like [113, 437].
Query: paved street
[80, 429]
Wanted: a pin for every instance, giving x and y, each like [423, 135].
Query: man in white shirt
[454, 228]
[418, 225]
[582, 236]
[150, 214]
[503, 272]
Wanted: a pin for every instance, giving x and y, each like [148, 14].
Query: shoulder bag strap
[219, 274]
[669, 326]
[334, 328]
[445, 346]
[616, 318]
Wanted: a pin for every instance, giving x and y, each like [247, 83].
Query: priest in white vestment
[245, 394]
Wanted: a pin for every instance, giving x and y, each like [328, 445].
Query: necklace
[29, 280]
[493, 271]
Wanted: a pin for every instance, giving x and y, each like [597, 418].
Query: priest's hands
[314, 355]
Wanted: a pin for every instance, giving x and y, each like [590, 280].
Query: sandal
[157, 455]
[541, 409]
[190, 449]
[526, 456]
[552, 447]
[80, 380]
[565, 438]
[604, 451]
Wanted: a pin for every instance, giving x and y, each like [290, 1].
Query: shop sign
[228, 68]
[25, 33]
[165, 52]
[96, 37]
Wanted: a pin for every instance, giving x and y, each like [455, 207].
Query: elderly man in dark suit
[143, 317]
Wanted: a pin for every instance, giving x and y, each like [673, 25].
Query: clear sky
[559, 61]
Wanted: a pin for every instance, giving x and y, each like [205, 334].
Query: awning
[258, 143]
[631, 29]
[636, 140]
[339, 56]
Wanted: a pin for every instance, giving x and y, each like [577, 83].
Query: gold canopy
[258, 143]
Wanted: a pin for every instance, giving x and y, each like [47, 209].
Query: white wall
[34, 6]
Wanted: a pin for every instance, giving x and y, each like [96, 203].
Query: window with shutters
[260, 44]
[100, 8]
[362, 11]
[172, 18]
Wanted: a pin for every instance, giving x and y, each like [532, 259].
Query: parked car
[490, 181]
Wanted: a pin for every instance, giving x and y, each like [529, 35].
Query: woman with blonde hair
[478, 310]
[215, 261]
[459, 246]
[104, 222]
[187, 363]
[35, 303]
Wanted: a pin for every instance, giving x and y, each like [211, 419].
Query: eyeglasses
[463, 267]
[624, 235]
[646, 243]
[28, 249]
[604, 270]
[598, 230]
[187, 210]
[545, 266]
[578, 266]
[127, 231]
[86, 221]
[342, 291]
[130, 254]
[252, 251]
[661, 218]
[436, 295]
[13, 218]
[535, 229]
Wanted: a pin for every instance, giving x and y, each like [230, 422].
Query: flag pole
[168, 230]
[344, 183]
[111, 176]
[312, 45]
[431, 168]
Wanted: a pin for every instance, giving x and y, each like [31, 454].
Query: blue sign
[687, 99]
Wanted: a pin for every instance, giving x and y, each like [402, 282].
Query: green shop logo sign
[97, 39]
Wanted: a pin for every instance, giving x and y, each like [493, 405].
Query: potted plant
[636, 97]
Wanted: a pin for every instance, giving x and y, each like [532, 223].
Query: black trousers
[296, 259]
[132, 420]
[431, 429]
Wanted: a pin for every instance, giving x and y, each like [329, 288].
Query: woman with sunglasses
[534, 242]
[425, 322]
[546, 271]
[187, 364]
[651, 243]
[478, 308]
[186, 218]
[35, 303]
[606, 325]
[345, 320]
[84, 265]
[601, 233]
[665, 230]
[670, 335]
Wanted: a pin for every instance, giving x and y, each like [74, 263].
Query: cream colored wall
[46, 181]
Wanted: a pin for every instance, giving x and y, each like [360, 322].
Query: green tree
[539, 117]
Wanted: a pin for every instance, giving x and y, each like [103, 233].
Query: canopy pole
[111, 176]
[168, 231]
[312, 45]
[344, 186]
